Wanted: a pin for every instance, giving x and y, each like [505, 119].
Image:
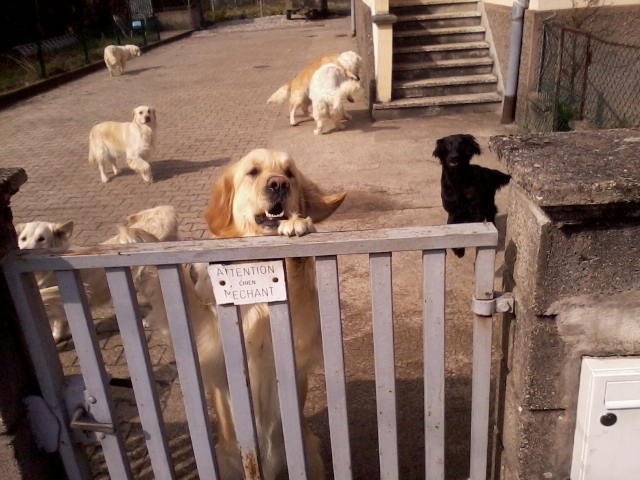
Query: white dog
[44, 235]
[116, 57]
[330, 86]
[134, 140]
[298, 88]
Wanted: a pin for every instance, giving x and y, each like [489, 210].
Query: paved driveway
[210, 92]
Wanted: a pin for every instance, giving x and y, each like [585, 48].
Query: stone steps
[433, 106]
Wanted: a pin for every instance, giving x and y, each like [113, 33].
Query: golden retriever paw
[296, 226]
[317, 131]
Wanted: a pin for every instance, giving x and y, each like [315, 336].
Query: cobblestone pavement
[210, 93]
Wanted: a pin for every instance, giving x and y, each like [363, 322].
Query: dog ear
[19, 228]
[440, 150]
[63, 231]
[316, 204]
[472, 146]
[133, 115]
[219, 215]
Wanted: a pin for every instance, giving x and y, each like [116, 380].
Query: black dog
[468, 191]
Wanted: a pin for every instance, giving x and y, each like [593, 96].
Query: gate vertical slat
[333, 349]
[139, 362]
[46, 363]
[235, 359]
[186, 355]
[95, 376]
[433, 280]
[385, 371]
[480, 384]
[284, 354]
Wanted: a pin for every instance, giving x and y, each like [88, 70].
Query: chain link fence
[583, 78]
[54, 39]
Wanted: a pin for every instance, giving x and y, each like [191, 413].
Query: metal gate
[94, 410]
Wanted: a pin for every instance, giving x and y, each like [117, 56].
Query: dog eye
[288, 173]
[253, 172]
[23, 239]
[41, 239]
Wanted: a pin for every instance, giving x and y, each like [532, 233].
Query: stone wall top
[11, 179]
[573, 169]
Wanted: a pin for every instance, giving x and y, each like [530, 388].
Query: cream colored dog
[162, 222]
[330, 86]
[135, 140]
[116, 57]
[298, 88]
[44, 235]
[263, 194]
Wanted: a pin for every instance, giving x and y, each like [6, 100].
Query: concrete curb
[23, 93]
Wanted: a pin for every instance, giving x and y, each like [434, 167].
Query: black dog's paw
[459, 252]
[350, 99]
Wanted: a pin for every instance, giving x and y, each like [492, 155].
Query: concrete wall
[20, 457]
[572, 260]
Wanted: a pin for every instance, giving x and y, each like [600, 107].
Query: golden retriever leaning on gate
[298, 88]
[265, 194]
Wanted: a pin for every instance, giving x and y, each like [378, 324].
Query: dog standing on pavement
[135, 141]
[298, 88]
[468, 191]
[331, 85]
[116, 57]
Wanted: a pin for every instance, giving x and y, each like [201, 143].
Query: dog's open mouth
[271, 218]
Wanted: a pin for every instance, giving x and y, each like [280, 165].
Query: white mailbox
[607, 439]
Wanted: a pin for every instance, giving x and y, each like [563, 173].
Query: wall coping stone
[11, 179]
[562, 170]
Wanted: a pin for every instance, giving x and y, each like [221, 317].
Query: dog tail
[348, 88]
[93, 161]
[280, 94]
[499, 179]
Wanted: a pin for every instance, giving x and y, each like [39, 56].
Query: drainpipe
[513, 68]
[353, 18]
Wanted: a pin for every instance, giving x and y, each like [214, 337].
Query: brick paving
[210, 93]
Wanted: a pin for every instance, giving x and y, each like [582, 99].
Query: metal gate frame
[325, 247]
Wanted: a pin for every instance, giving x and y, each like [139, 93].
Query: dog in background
[264, 194]
[298, 88]
[468, 191]
[330, 86]
[135, 140]
[116, 57]
[162, 222]
[44, 235]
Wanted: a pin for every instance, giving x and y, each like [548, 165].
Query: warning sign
[246, 283]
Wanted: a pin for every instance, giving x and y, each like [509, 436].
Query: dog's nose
[278, 184]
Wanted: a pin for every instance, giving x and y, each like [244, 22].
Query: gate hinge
[502, 302]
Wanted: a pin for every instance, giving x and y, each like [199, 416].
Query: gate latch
[502, 302]
[81, 422]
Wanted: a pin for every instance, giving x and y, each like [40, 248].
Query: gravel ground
[255, 24]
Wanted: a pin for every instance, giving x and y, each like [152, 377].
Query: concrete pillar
[572, 259]
[383, 48]
[20, 457]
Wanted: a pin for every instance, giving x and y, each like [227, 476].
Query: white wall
[544, 5]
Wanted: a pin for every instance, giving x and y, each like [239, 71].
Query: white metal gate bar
[285, 360]
[135, 346]
[95, 376]
[480, 382]
[46, 363]
[433, 298]
[333, 349]
[186, 354]
[235, 358]
[385, 370]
